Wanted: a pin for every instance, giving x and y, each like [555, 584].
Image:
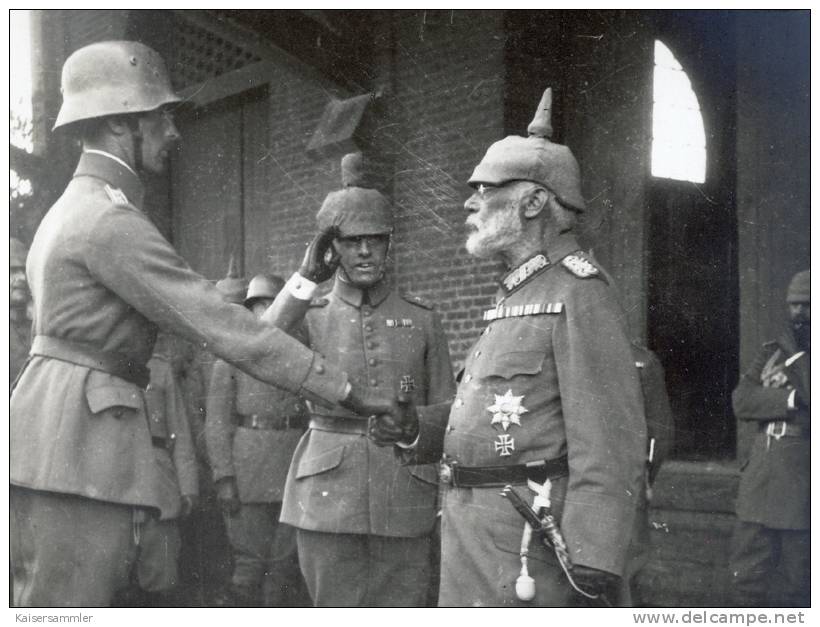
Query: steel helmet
[355, 209]
[111, 78]
[534, 158]
[800, 288]
[263, 286]
[232, 287]
[17, 253]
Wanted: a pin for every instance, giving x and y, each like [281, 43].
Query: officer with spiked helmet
[103, 279]
[549, 399]
[364, 521]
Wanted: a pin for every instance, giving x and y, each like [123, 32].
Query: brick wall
[447, 107]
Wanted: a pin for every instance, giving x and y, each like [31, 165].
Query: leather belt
[337, 424]
[264, 422]
[781, 429]
[84, 354]
[498, 476]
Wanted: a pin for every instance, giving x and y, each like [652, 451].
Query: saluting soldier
[770, 560]
[364, 521]
[19, 308]
[103, 279]
[252, 429]
[549, 398]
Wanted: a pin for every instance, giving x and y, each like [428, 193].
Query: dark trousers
[770, 567]
[68, 550]
[358, 570]
[266, 563]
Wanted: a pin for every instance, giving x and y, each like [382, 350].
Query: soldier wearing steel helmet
[549, 401]
[770, 559]
[364, 521]
[19, 308]
[252, 430]
[103, 279]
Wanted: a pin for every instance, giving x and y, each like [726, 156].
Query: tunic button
[371, 361]
[368, 328]
[366, 312]
[450, 428]
[319, 369]
[478, 353]
[371, 345]
[468, 378]
[458, 403]
[373, 382]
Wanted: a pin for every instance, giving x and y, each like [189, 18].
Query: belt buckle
[773, 431]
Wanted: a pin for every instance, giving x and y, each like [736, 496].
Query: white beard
[502, 231]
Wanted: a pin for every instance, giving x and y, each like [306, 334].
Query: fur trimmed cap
[354, 209]
[534, 158]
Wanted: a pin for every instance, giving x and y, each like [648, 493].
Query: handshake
[392, 421]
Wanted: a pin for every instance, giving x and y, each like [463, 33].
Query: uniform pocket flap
[426, 472]
[507, 365]
[103, 392]
[328, 460]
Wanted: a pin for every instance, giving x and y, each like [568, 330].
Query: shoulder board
[116, 196]
[319, 302]
[580, 266]
[418, 300]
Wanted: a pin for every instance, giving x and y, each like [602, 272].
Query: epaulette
[580, 266]
[417, 300]
[319, 302]
[116, 196]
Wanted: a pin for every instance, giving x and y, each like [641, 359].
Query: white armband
[300, 287]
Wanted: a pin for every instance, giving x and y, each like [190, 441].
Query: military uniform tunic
[551, 375]
[342, 483]
[774, 496]
[101, 273]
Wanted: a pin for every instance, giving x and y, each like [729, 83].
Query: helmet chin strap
[136, 141]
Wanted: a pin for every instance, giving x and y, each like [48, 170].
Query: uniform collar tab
[353, 295]
[523, 273]
[111, 170]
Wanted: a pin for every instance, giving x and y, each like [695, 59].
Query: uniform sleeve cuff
[300, 287]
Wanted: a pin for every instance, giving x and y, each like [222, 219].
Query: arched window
[678, 139]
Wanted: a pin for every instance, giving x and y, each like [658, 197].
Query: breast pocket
[508, 365]
[514, 347]
[106, 393]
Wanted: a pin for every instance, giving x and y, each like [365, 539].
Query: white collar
[94, 151]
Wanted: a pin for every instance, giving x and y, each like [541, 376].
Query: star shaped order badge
[507, 410]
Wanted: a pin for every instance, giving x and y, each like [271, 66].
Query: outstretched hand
[321, 259]
[400, 424]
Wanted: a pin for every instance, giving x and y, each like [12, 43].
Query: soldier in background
[770, 560]
[156, 573]
[19, 308]
[103, 279]
[252, 430]
[549, 401]
[205, 560]
[364, 521]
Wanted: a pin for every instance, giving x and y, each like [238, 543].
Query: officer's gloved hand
[188, 504]
[400, 425]
[321, 259]
[227, 495]
[595, 582]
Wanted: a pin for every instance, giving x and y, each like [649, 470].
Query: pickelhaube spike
[233, 286]
[541, 125]
[352, 170]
